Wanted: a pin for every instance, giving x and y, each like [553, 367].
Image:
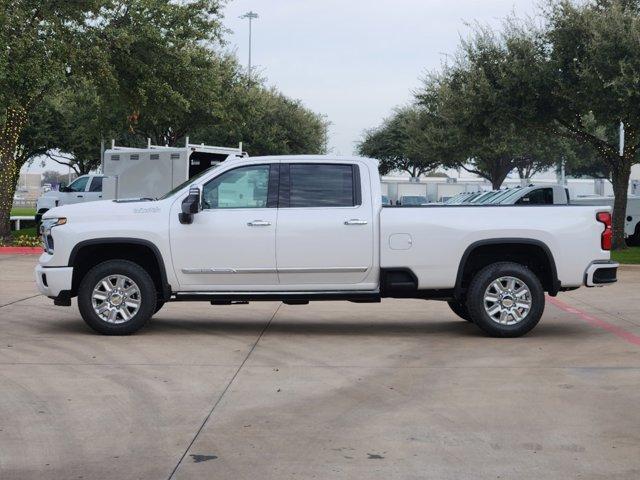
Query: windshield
[78, 185]
[188, 182]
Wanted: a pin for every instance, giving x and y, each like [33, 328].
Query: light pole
[251, 16]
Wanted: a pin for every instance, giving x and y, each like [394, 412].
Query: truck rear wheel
[505, 299]
[460, 309]
[117, 297]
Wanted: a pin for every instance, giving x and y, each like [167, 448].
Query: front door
[76, 191]
[325, 226]
[231, 242]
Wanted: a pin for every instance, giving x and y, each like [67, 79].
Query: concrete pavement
[403, 389]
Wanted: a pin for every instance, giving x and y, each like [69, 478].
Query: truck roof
[372, 163]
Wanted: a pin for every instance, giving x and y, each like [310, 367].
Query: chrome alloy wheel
[116, 299]
[507, 300]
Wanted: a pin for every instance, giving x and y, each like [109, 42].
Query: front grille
[47, 243]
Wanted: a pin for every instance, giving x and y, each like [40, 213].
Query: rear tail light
[606, 239]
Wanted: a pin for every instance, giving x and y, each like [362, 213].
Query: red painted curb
[597, 322]
[20, 250]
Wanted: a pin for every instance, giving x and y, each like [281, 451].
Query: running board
[292, 298]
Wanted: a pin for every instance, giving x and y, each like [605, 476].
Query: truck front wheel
[117, 297]
[505, 299]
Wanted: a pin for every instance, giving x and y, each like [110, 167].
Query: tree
[478, 127]
[576, 77]
[266, 122]
[155, 62]
[40, 42]
[595, 62]
[137, 53]
[404, 142]
[54, 178]
[144, 80]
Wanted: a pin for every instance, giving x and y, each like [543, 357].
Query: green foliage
[404, 142]
[480, 127]
[267, 123]
[151, 69]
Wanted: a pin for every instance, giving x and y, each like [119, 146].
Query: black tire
[147, 297]
[476, 300]
[159, 305]
[460, 309]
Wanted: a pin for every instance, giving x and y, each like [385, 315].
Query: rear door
[325, 226]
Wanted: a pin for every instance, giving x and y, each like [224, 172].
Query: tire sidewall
[478, 286]
[460, 309]
[134, 272]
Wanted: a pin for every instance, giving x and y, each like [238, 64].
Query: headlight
[45, 231]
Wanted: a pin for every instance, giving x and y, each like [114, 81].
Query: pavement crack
[224, 391]
[20, 300]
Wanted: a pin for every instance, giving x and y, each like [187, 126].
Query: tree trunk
[9, 171]
[497, 179]
[620, 180]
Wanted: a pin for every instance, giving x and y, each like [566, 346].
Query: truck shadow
[454, 328]
[457, 328]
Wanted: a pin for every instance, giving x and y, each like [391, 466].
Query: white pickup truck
[302, 228]
[86, 188]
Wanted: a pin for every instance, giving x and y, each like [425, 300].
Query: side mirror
[190, 206]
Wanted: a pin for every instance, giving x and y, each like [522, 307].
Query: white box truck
[153, 171]
[129, 172]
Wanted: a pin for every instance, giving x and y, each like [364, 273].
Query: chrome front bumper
[600, 273]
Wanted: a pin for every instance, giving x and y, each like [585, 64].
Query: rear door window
[323, 185]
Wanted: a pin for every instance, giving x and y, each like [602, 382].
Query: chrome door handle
[355, 221]
[258, 223]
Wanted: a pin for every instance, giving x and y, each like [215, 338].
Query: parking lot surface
[403, 389]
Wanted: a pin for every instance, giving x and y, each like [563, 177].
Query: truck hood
[108, 210]
[48, 199]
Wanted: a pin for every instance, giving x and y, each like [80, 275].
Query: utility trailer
[155, 170]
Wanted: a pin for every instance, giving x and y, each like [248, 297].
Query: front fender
[46, 203]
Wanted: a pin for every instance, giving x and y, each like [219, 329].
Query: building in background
[28, 190]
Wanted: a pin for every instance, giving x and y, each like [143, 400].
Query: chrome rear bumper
[601, 273]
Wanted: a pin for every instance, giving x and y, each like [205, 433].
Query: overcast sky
[353, 60]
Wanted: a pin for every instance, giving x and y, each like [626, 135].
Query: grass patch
[23, 211]
[630, 255]
[30, 232]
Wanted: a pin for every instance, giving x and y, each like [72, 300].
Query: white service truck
[303, 228]
[130, 172]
